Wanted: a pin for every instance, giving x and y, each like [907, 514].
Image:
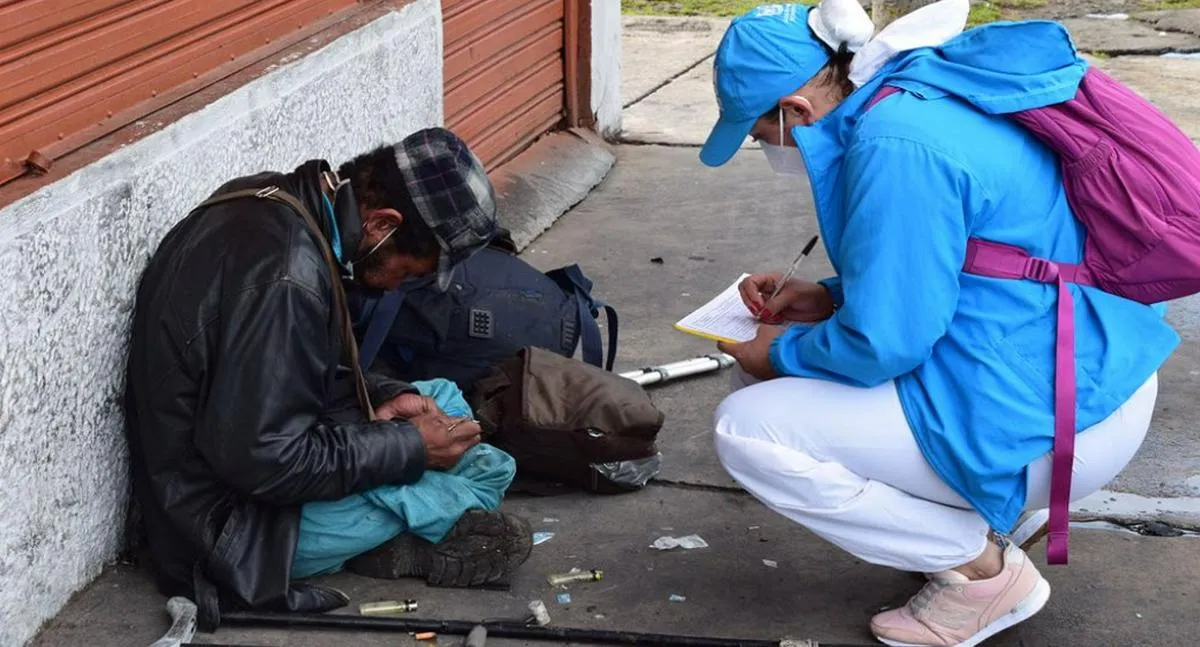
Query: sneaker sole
[1025, 609]
[483, 548]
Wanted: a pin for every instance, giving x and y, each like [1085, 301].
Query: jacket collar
[823, 146]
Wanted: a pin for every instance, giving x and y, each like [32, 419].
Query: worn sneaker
[953, 610]
[1031, 528]
[483, 549]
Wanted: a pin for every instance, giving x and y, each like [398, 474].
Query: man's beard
[369, 267]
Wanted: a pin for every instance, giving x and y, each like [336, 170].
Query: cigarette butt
[426, 635]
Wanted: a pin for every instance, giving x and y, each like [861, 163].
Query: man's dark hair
[377, 184]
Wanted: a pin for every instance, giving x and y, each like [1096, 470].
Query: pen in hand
[792, 270]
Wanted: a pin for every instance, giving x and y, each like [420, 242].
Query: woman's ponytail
[837, 71]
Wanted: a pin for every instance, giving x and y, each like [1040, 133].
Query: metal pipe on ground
[676, 370]
[497, 630]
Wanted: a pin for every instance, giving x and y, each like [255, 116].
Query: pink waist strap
[985, 258]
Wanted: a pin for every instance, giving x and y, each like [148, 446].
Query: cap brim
[724, 141]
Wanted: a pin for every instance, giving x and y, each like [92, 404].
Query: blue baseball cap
[766, 53]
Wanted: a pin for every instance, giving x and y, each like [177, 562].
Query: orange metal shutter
[503, 75]
[74, 70]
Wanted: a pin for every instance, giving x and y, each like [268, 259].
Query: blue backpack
[497, 305]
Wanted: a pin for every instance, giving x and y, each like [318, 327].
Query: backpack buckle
[266, 192]
[570, 334]
[1042, 270]
[482, 325]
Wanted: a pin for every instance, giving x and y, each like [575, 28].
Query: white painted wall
[71, 255]
[606, 66]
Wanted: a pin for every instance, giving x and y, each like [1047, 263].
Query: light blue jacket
[898, 191]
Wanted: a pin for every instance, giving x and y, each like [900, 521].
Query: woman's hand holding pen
[795, 300]
[798, 300]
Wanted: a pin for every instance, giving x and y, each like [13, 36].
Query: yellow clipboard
[705, 335]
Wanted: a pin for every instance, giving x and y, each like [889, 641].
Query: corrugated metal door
[504, 72]
[74, 70]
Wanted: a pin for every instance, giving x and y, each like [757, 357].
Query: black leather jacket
[237, 409]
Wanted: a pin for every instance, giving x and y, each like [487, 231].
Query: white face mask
[784, 160]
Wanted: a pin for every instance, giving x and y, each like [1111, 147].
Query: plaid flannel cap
[451, 192]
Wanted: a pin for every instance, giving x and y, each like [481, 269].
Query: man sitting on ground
[246, 409]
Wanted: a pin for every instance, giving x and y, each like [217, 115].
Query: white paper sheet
[725, 318]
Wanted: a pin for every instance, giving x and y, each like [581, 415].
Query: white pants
[843, 462]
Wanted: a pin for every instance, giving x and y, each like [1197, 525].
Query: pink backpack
[1133, 179]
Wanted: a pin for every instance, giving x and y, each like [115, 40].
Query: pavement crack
[635, 142]
[1145, 528]
[668, 80]
[1153, 23]
[698, 487]
[1141, 51]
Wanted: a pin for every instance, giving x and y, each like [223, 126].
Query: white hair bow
[928, 26]
[841, 22]
[845, 22]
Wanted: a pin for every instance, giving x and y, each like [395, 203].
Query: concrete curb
[1126, 508]
[668, 24]
[1127, 37]
[544, 182]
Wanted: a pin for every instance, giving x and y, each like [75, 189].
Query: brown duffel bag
[570, 422]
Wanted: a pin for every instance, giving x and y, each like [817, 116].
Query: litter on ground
[687, 543]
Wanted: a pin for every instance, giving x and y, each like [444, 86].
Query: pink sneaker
[952, 610]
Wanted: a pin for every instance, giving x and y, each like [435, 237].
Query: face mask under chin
[784, 160]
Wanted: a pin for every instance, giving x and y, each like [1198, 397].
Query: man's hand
[802, 301]
[754, 356]
[406, 405]
[446, 439]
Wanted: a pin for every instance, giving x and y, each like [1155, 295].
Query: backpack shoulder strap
[342, 311]
[589, 309]
[379, 324]
[883, 93]
[592, 329]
